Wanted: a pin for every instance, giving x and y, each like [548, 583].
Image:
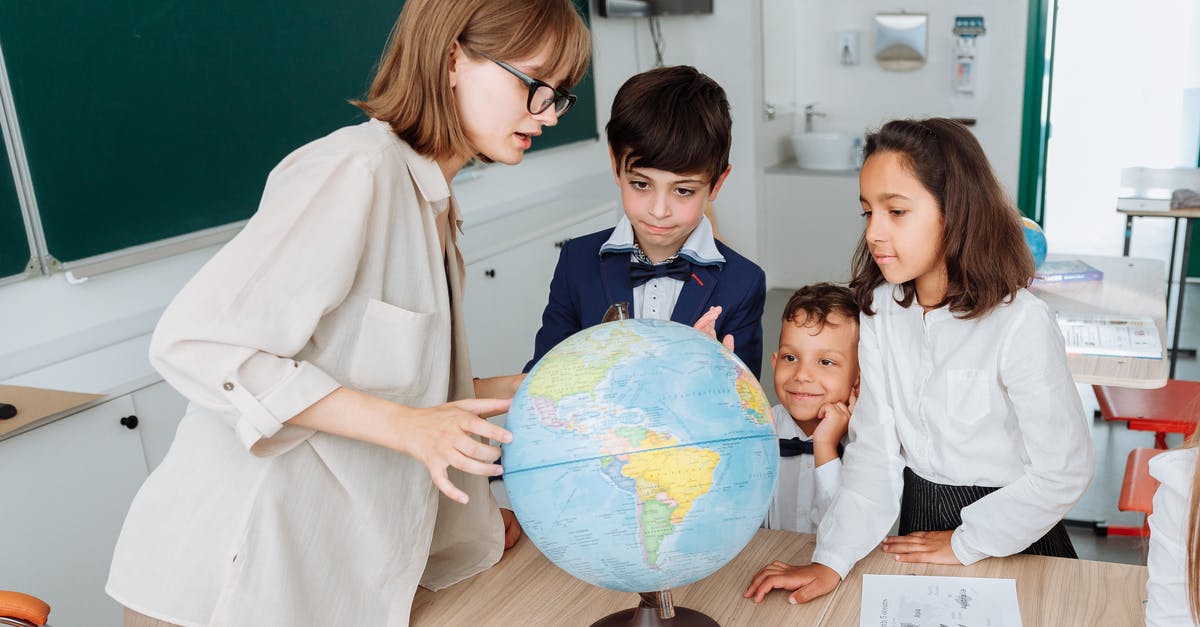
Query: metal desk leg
[1171, 265]
[1187, 244]
[1128, 234]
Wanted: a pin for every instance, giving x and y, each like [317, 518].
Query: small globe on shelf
[1035, 237]
[643, 458]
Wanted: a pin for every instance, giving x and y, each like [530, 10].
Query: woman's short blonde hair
[411, 90]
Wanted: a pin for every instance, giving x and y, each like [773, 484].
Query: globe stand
[656, 610]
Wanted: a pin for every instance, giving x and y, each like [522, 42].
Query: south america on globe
[643, 457]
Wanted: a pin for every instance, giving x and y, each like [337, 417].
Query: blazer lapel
[614, 274]
[695, 295]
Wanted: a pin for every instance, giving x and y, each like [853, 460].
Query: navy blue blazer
[585, 284]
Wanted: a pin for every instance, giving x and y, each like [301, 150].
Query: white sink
[834, 151]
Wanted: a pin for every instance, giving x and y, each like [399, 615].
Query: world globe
[1036, 238]
[643, 455]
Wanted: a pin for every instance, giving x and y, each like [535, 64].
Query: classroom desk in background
[1132, 286]
[526, 589]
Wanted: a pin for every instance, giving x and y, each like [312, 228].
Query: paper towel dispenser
[901, 40]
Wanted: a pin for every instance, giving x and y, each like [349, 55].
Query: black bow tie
[791, 447]
[679, 268]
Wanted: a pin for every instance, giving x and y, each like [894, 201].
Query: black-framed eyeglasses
[542, 95]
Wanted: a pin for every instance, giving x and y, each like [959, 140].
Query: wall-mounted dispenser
[966, 52]
[848, 53]
[901, 40]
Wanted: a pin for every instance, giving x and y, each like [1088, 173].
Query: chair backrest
[1137, 490]
[22, 610]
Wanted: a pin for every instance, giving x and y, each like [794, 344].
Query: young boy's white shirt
[803, 491]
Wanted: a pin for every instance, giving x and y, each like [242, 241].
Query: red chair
[1172, 408]
[1137, 491]
[22, 610]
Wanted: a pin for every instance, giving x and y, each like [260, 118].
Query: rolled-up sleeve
[229, 338]
[1055, 435]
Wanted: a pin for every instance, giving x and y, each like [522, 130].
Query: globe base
[642, 616]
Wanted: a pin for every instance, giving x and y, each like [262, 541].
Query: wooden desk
[1187, 214]
[527, 589]
[1050, 590]
[1132, 286]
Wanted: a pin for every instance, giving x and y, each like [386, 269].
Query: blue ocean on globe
[643, 457]
[1036, 238]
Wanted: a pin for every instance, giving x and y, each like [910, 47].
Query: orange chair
[1137, 491]
[22, 610]
[1170, 409]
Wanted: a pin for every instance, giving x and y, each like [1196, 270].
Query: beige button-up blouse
[339, 279]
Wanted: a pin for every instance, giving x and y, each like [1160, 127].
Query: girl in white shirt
[324, 353]
[968, 425]
[1173, 589]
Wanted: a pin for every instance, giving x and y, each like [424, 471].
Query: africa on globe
[643, 456]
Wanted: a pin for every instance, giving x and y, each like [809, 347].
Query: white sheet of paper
[915, 601]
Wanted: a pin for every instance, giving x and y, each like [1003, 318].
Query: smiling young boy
[669, 137]
[816, 375]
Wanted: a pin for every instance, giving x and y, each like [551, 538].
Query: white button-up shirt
[987, 402]
[803, 490]
[339, 279]
[1166, 588]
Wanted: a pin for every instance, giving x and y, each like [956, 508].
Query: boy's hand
[929, 547]
[512, 528]
[809, 581]
[707, 324]
[835, 421]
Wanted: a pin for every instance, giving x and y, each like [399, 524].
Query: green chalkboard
[14, 247]
[147, 119]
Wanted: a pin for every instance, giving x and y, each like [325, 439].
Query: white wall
[861, 97]
[46, 319]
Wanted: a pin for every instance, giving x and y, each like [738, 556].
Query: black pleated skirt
[929, 506]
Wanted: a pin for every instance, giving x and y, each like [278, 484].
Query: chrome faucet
[810, 112]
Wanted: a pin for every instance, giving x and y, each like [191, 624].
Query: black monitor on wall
[644, 8]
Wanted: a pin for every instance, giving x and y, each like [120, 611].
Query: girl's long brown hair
[986, 257]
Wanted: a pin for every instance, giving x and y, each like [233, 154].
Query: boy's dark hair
[987, 259]
[673, 119]
[813, 304]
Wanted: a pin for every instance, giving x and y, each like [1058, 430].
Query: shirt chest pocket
[967, 397]
[392, 351]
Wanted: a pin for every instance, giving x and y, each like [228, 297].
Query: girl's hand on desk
[809, 581]
[930, 547]
[443, 436]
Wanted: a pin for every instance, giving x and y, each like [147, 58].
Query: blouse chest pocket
[967, 397]
[392, 351]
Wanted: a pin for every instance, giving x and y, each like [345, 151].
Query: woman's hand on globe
[512, 528]
[444, 436]
[707, 324]
[809, 581]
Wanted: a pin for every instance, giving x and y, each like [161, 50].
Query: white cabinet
[509, 281]
[814, 222]
[67, 486]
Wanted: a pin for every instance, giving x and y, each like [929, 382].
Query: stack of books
[1065, 271]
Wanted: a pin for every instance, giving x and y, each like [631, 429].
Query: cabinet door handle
[491, 274]
[129, 422]
[562, 242]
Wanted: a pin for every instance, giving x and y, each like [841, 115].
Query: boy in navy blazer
[668, 137]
